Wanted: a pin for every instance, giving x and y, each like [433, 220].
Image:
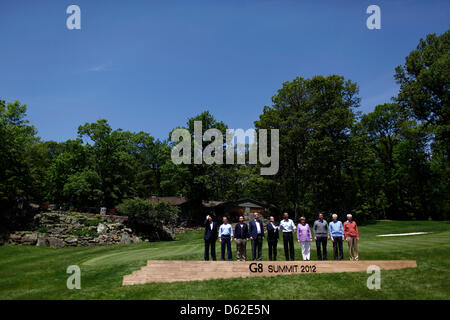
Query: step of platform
[180, 270]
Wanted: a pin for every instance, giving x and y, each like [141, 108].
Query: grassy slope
[40, 273]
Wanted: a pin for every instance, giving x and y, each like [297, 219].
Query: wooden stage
[188, 270]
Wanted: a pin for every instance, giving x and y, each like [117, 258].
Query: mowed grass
[40, 273]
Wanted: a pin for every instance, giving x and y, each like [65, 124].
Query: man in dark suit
[256, 233]
[241, 237]
[272, 238]
[210, 237]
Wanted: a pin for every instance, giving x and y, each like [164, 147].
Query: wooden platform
[187, 270]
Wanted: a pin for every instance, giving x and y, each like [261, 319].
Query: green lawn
[40, 273]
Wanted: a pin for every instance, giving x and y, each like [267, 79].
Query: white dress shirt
[258, 227]
[287, 225]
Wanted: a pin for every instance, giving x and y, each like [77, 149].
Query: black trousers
[288, 241]
[337, 246]
[321, 241]
[257, 245]
[225, 244]
[272, 249]
[210, 244]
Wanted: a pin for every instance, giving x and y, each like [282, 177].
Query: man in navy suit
[256, 233]
[210, 237]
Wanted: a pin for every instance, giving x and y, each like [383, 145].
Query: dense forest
[392, 163]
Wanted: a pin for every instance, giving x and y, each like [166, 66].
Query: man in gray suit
[321, 236]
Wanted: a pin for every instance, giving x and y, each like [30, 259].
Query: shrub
[85, 232]
[42, 230]
[147, 218]
[91, 222]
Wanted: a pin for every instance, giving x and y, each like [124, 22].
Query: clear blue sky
[149, 65]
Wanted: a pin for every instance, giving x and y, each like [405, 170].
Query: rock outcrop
[58, 230]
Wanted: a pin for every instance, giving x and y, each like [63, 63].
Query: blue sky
[149, 65]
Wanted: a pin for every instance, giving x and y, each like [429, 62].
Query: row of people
[323, 231]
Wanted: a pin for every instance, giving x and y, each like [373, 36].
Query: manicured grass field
[40, 273]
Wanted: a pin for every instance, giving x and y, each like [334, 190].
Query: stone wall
[61, 229]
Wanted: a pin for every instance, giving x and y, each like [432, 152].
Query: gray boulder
[135, 239]
[42, 242]
[56, 243]
[125, 238]
[102, 228]
[72, 241]
[167, 234]
[30, 238]
[15, 237]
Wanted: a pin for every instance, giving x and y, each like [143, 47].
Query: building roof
[211, 204]
[176, 201]
[247, 202]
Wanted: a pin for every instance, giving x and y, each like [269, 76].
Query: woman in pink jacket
[304, 237]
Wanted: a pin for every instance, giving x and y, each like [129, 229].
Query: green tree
[201, 181]
[72, 159]
[16, 137]
[150, 156]
[424, 85]
[83, 189]
[149, 219]
[314, 117]
[40, 157]
[400, 158]
[110, 158]
[424, 95]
